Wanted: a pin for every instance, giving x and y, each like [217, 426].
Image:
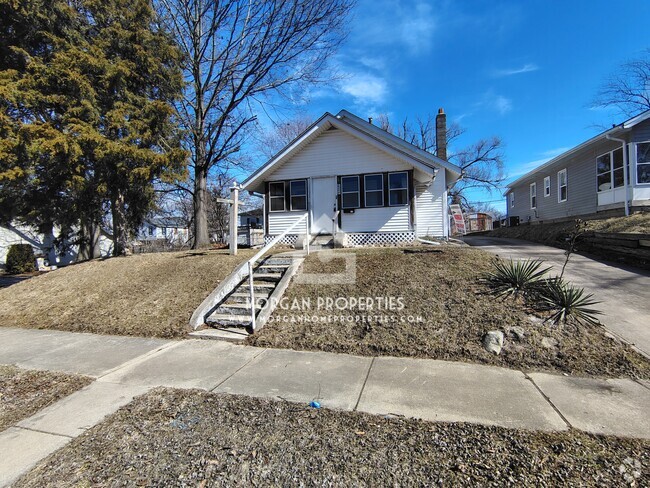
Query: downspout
[625, 175]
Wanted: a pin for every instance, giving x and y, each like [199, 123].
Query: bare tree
[481, 163]
[281, 134]
[239, 54]
[628, 89]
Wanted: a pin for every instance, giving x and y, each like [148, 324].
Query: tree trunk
[89, 247]
[119, 226]
[201, 234]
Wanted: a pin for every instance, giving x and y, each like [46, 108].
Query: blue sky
[522, 70]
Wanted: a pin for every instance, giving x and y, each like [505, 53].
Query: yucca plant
[568, 302]
[515, 278]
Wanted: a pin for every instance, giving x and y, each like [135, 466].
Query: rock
[493, 341]
[518, 332]
[535, 320]
[549, 342]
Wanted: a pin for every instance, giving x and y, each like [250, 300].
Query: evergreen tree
[87, 121]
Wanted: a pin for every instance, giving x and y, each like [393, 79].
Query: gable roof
[620, 128]
[359, 128]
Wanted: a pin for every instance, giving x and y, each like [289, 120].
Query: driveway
[624, 292]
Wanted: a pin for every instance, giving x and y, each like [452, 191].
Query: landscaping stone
[493, 341]
[549, 342]
[518, 332]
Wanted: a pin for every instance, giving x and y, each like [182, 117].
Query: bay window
[609, 170]
[643, 163]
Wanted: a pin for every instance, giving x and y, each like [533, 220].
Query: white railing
[251, 262]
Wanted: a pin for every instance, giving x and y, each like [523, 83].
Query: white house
[170, 229]
[357, 182]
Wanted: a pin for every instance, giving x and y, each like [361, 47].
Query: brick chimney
[441, 134]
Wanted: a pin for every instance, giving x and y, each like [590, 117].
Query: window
[547, 186]
[512, 199]
[533, 195]
[643, 163]
[562, 186]
[604, 172]
[398, 193]
[276, 197]
[350, 192]
[609, 170]
[374, 190]
[298, 194]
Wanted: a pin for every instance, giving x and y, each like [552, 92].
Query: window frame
[291, 195]
[636, 163]
[283, 197]
[612, 170]
[399, 189]
[533, 195]
[559, 185]
[512, 199]
[357, 191]
[366, 191]
[547, 186]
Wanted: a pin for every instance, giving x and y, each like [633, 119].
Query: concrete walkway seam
[239, 369]
[363, 387]
[42, 431]
[140, 359]
[557, 410]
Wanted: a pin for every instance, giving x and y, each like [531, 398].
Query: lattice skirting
[380, 239]
[289, 240]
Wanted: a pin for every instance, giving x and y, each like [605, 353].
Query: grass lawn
[191, 438]
[151, 295]
[25, 392]
[443, 288]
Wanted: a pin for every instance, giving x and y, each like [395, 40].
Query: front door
[323, 197]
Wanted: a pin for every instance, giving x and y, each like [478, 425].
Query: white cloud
[522, 169]
[417, 27]
[365, 88]
[526, 68]
[502, 104]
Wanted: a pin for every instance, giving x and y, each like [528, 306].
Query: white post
[252, 294]
[234, 196]
[308, 227]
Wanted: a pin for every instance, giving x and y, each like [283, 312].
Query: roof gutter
[625, 175]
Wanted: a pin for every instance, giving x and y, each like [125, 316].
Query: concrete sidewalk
[428, 389]
[621, 290]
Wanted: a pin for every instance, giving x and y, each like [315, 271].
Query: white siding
[381, 219]
[430, 207]
[336, 153]
[281, 221]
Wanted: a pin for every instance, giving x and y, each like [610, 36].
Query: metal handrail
[251, 262]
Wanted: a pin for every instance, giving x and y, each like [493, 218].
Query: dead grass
[443, 289]
[25, 392]
[151, 295]
[192, 438]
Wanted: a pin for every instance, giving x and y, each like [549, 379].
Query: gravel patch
[444, 289]
[191, 438]
[25, 392]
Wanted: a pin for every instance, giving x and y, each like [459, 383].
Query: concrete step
[243, 296]
[226, 319]
[236, 308]
[230, 334]
[266, 276]
[272, 268]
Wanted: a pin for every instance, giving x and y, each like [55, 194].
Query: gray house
[607, 175]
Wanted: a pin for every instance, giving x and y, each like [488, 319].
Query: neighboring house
[44, 244]
[358, 182]
[171, 229]
[252, 218]
[589, 179]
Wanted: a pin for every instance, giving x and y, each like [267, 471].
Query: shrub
[20, 259]
[568, 302]
[515, 278]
